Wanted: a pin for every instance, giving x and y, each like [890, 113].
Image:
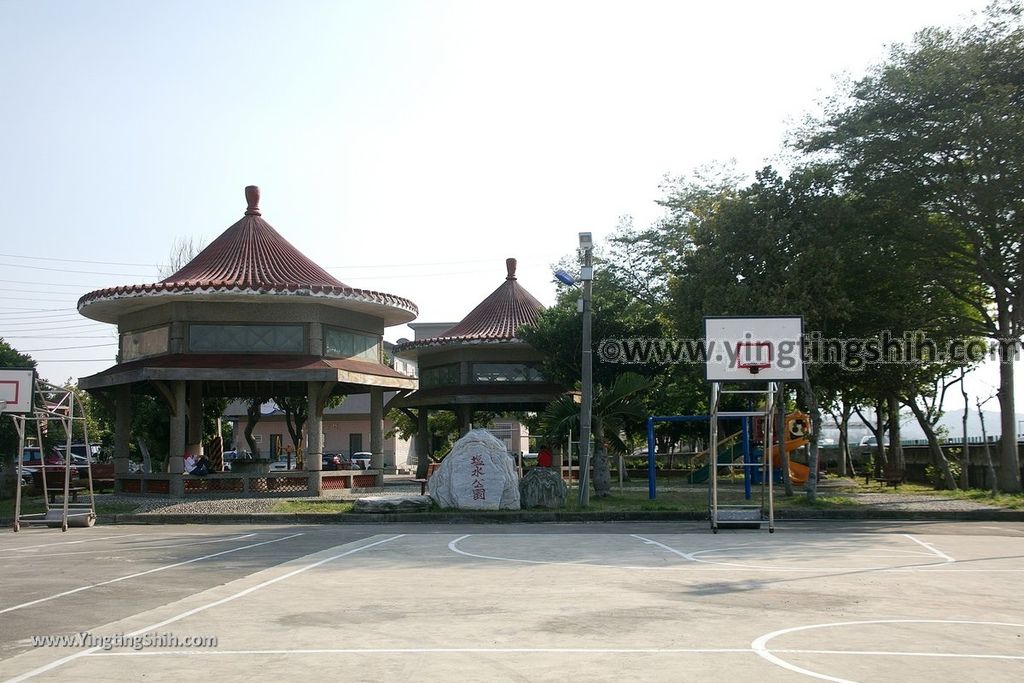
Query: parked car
[80, 450]
[872, 441]
[332, 461]
[32, 457]
[279, 466]
[361, 460]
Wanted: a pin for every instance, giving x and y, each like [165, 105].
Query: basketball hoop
[753, 356]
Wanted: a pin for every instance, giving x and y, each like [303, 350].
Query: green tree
[615, 405]
[937, 131]
[10, 358]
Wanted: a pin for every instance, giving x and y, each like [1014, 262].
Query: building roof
[494, 320]
[264, 369]
[249, 259]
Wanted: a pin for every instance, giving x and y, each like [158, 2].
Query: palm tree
[612, 406]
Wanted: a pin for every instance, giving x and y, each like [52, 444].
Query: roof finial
[252, 197]
[510, 264]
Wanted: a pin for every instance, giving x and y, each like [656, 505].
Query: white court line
[759, 646]
[47, 545]
[717, 566]
[932, 548]
[138, 574]
[64, 660]
[680, 553]
[898, 653]
[219, 539]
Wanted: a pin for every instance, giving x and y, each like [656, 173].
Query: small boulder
[541, 487]
[392, 504]
[478, 474]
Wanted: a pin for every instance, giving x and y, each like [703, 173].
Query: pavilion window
[345, 344]
[440, 376]
[246, 339]
[143, 343]
[505, 373]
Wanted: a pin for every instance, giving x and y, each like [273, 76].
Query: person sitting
[201, 467]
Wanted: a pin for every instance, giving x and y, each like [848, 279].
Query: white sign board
[16, 390]
[754, 349]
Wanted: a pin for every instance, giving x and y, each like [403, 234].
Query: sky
[406, 146]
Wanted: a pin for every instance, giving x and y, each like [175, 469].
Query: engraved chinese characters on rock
[479, 490]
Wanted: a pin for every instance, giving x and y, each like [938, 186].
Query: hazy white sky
[407, 147]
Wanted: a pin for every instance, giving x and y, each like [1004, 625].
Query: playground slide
[797, 473]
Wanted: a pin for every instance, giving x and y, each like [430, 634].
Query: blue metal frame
[651, 465]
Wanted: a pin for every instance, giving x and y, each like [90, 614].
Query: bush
[934, 474]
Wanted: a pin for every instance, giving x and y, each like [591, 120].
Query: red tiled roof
[250, 257]
[252, 253]
[495, 319]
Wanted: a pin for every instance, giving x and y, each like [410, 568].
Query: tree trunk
[253, 417]
[938, 457]
[780, 432]
[812, 458]
[992, 481]
[8, 484]
[882, 460]
[147, 462]
[1009, 463]
[895, 445]
[965, 456]
[844, 439]
[602, 472]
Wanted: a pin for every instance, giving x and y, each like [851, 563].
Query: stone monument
[478, 474]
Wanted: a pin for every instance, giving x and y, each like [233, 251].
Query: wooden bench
[72, 491]
[431, 468]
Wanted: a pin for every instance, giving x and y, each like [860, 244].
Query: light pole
[587, 404]
[587, 374]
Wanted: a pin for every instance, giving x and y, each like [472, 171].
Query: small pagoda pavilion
[480, 364]
[249, 317]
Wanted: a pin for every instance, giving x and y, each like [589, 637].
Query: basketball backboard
[754, 349]
[16, 390]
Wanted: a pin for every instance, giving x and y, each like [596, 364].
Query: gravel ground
[881, 500]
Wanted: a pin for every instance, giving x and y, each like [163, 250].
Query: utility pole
[587, 398]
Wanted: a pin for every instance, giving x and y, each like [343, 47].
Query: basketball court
[638, 601]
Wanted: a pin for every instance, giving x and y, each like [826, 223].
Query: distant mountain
[951, 420]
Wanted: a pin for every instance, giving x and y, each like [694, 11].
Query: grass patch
[315, 506]
[696, 500]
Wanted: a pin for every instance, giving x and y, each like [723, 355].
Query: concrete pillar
[464, 416]
[122, 430]
[194, 442]
[314, 460]
[377, 433]
[422, 442]
[176, 453]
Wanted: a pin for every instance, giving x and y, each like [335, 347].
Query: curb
[516, 517]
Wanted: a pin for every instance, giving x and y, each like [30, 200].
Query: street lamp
[587, 380]
[586, 406]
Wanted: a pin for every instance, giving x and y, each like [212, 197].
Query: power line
[48, 284]
[68, 348]
[69, 270]
[57, 336]
[73, 260]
